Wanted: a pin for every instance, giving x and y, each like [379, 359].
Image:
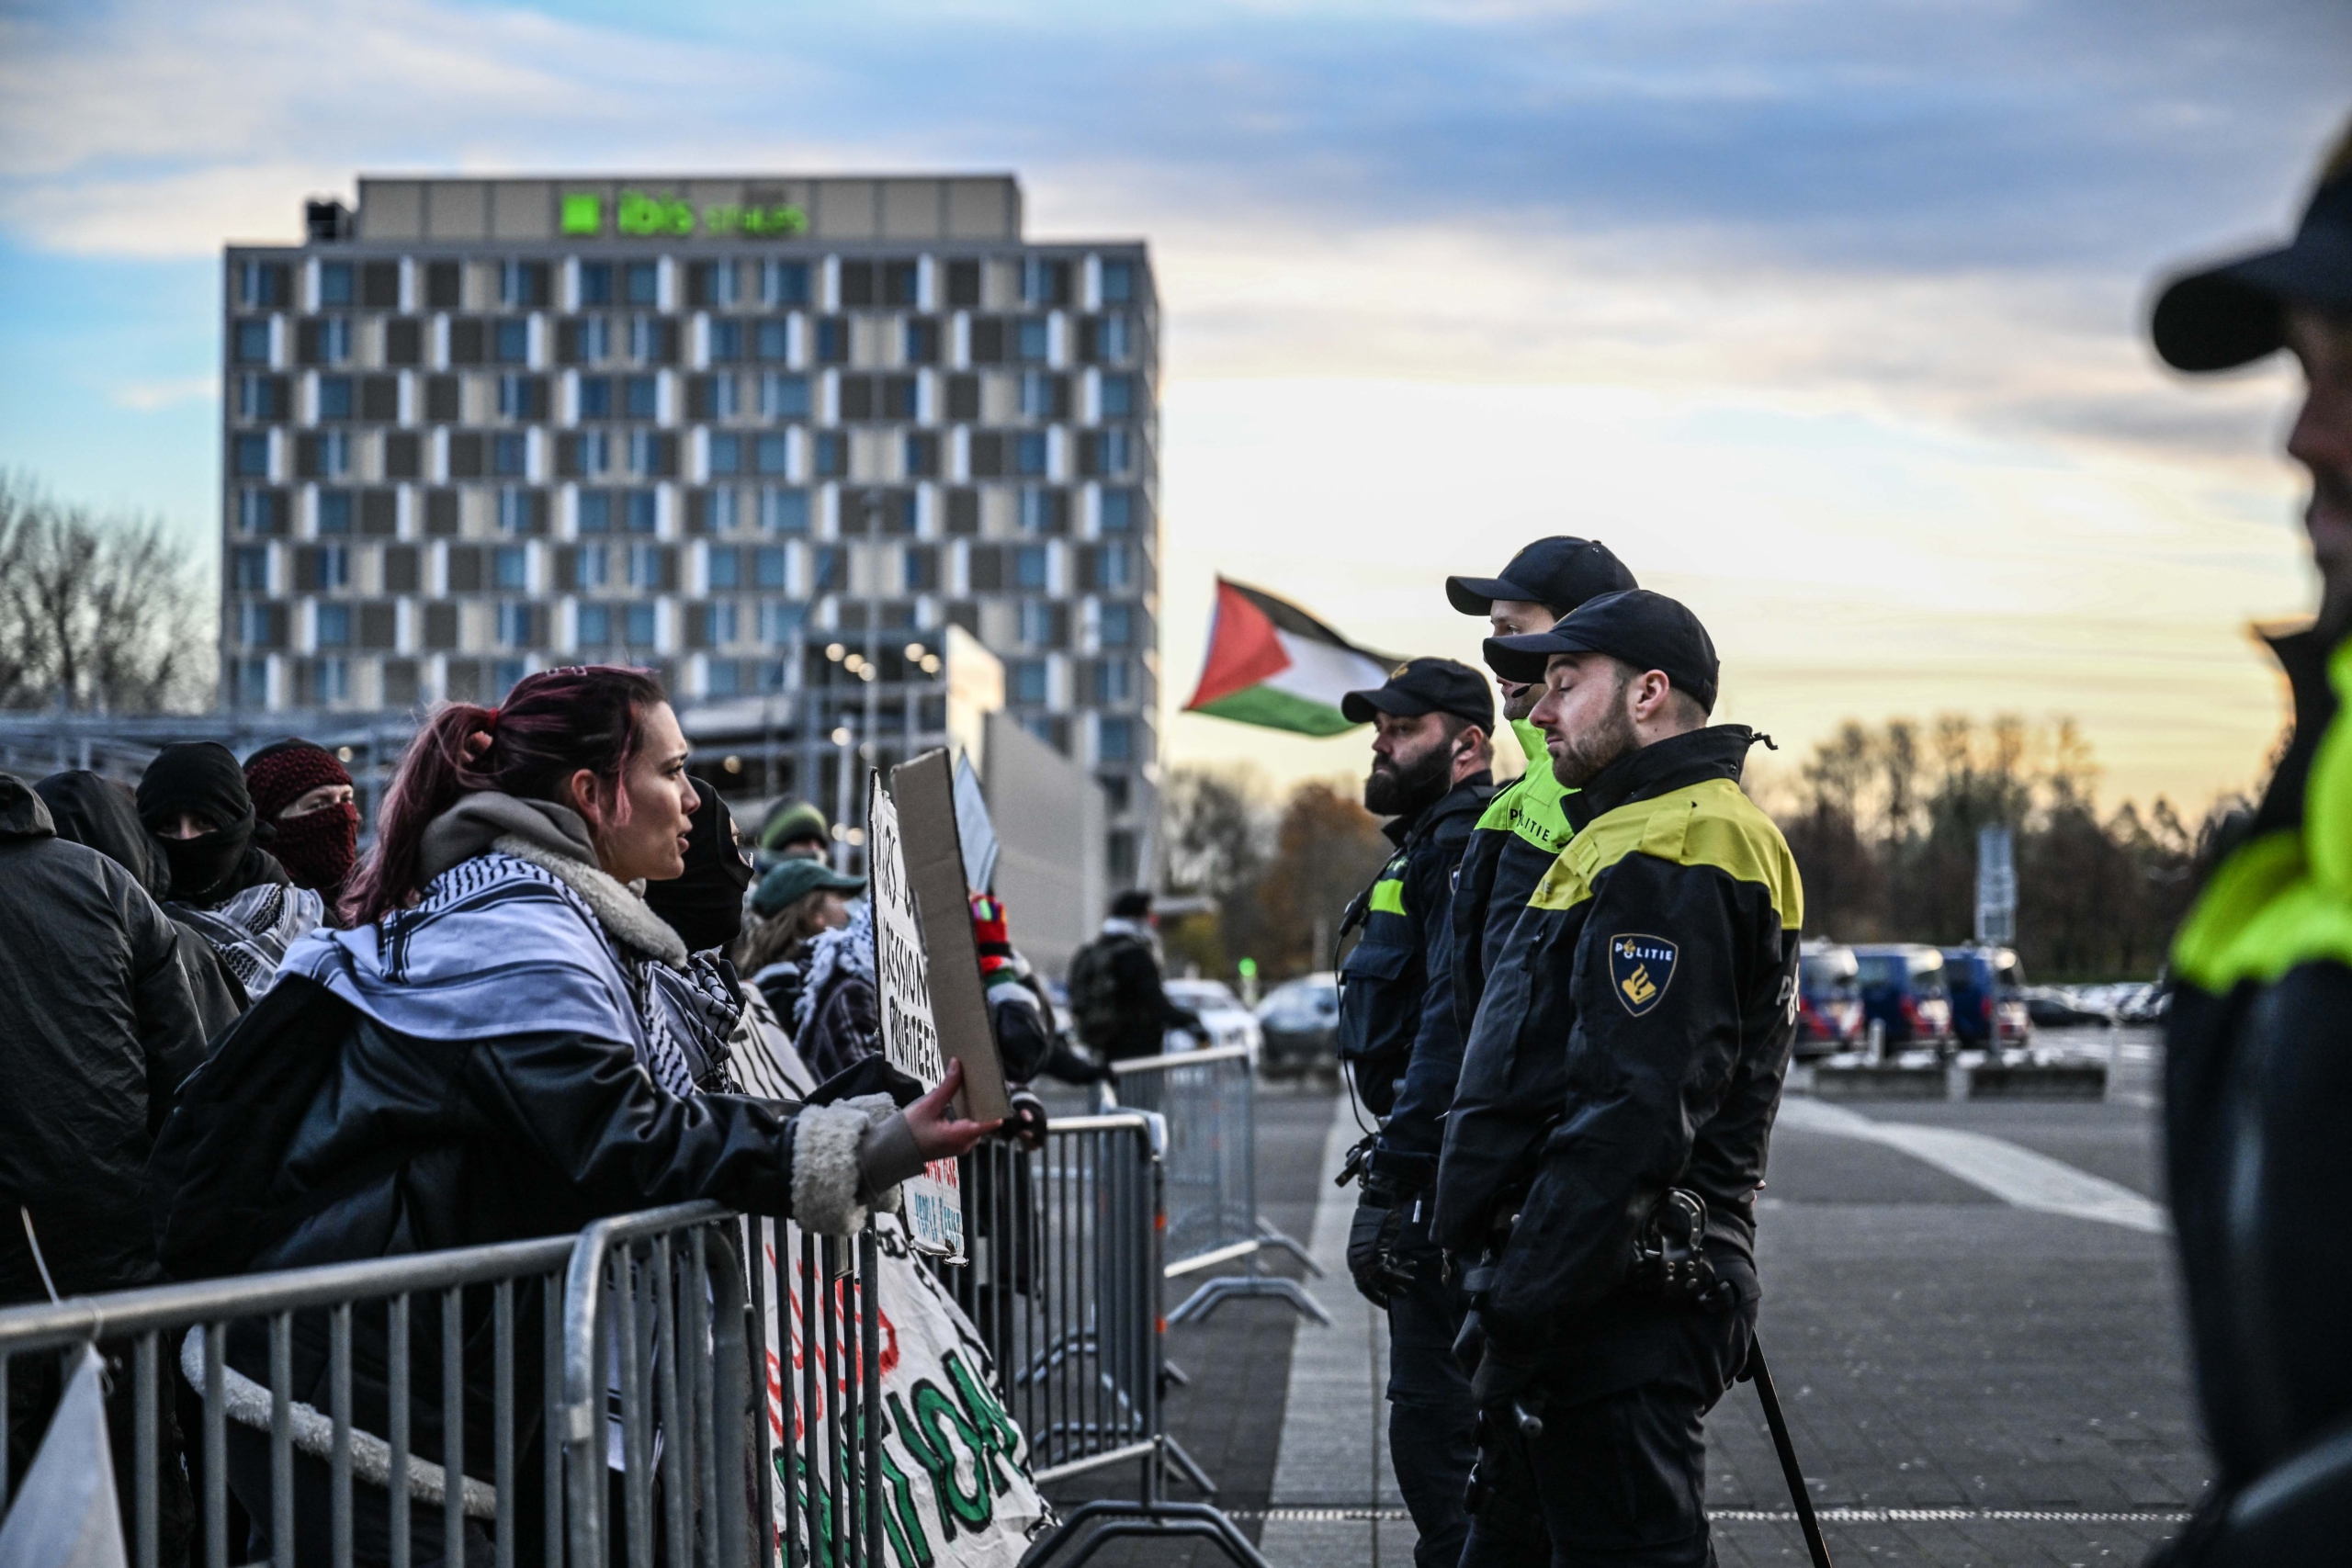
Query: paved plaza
[1969, 1309]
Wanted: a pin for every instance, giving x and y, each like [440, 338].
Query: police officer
[1524, 829]
[1431, 773]
[2258, 1037]
[1608, 1136]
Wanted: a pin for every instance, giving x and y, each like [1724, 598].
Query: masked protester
[703, 999]
[194, 802]
[308, 814]
[94, 810]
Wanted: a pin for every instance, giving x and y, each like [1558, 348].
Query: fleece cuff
[888, 1153]
[829, 1193]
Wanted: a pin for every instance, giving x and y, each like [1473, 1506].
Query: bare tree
[98, 611]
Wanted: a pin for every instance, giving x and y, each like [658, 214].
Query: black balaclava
[201, 776]
[92, 809]
[705, 906]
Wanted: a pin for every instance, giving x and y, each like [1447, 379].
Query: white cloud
[146, 396]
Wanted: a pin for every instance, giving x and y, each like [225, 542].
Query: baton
[1761, 1376]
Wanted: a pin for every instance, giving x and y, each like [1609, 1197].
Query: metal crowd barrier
[1063, 1282]
[1209, 1099]
[604, 1391]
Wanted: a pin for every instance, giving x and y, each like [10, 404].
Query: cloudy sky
[1826, 315]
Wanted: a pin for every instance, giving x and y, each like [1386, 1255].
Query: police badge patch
[1640, 968]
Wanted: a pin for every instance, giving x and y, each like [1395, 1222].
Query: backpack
[1098, 1004]
[221, 1152]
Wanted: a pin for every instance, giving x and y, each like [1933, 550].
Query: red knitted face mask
[318, 848]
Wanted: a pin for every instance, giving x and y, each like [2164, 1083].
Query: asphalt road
[1971, 1379]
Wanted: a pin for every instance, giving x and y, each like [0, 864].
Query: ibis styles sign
[637, 215]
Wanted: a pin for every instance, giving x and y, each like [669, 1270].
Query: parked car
[1985, 984]
[1829, 1002]
[1903, 989]
[1300, 1020]
[2055, 1007]
[1228, 1023]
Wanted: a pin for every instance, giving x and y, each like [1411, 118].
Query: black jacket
[1405, 1157]
[97, 1030]
[1634, 1038]
[1119, 1000]
[1514, 842]
[2258, 1095]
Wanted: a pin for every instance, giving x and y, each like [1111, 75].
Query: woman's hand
[939, 1133]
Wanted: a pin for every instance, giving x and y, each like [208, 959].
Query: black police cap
[2228, 315]
[1558, 572]
[1425, 685]
[1646, 630]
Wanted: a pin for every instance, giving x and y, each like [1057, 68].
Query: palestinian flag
[1272, 664]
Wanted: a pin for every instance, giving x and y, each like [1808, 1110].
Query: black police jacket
[1384, 980]
[2258, 1095]
[1521, 832]
[1633, 1038]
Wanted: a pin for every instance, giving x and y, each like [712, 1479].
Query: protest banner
[955, 1466]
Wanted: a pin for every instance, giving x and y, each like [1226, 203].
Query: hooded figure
[703, 1001]
[94, 810]
[222, 884]
[318, 846]
[705, 906]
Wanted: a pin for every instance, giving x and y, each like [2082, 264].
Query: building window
[1037, 622]
[249, 456]
[1110, 338]
[645, 566]
[595, 397]
[1118, 282]
[829, 565]
[722, 678]
[511, 569]
[644, 452]
[592, 453]
[335, 680]
[643, 514]
[1040, 396]
[639, 630]
[511, 344]
[253, 342]
[1114, 739]
[333, 626]
[257, 625]
[595, 512]
[514, 511]
[1029, 453]
[249, 571]
[726, 397]
[832, 340]
[521, 396]
[260, 397]
[768, 567]
[723, 571]
[262, 283]
[334, 283]
[335, 565]
[641, 283]
[922, 453]
[784, 282]
[1117, 626]
[1118, 396]
[1109, 451]
[1113, 681]
[593, 626]
[922, 346]
[250, 679]
[830, 449]
[334, 454]
[335, 512]
[1113, 569]
[783, 510]
[596, 340]
[645, 337]
[509, 455]
[595, 283]
[783, 396]
[1031, 682]
[258, 512]
[1118, 510]
[514, 623]
[588, 568]
[726, 453]
[726, 342]
[718, 511]
[718, 624]
[1037, 509]
[642, 397]
[334, 397]
[506, 674]
[781, 619]
[1029, 340]
[1029, 566]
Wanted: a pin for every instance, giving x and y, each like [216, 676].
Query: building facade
[770, 436]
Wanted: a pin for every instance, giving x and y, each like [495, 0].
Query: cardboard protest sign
[974, 829]
[924, 790]
[935, 1201]
[956, 1483]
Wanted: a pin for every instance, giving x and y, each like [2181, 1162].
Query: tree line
[101, 610]
[1883, 826]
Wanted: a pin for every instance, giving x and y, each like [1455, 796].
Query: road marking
[2016, 1176]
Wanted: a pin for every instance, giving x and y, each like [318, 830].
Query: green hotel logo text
[640, 216]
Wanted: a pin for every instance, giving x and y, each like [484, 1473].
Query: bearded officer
[2257, 1048]
[1431, 774]
[1608, 1136]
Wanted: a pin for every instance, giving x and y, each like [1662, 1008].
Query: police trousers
[1431, 1414]
[1618, 1479]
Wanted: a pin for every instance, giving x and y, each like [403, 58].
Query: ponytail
[552, 725]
